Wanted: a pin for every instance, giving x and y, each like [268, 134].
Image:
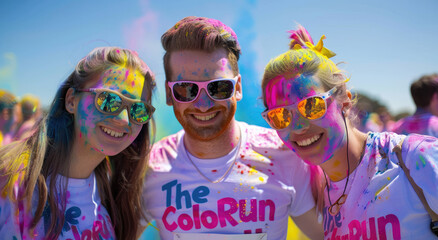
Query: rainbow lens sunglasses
[312, 108]
[111, 102]
[217, 89]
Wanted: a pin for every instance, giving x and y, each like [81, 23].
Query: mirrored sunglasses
[312, 108]
[217, 89]
[112, 102]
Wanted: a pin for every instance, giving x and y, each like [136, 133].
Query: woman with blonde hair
[364, 189]
[79, 176]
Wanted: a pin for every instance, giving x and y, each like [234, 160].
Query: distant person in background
[373, 123]
[8, 118]
[424, 121]
[30, 113]
[386, 119]
[379, 121]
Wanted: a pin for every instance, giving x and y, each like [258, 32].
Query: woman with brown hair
[80, 174]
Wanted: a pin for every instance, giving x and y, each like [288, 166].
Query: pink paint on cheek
[336, 136]
[127, 74]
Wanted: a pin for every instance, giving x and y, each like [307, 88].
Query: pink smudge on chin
[132, 83]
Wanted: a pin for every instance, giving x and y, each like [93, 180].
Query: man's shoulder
[164, 151]
[261, 136]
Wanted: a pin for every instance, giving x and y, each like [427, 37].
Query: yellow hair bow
[318, 48]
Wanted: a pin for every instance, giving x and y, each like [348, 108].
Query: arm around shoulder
[308, 224]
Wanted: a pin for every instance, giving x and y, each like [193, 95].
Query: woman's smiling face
[315, 141]
[108, 134]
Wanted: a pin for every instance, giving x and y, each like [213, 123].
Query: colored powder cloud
[7, 71]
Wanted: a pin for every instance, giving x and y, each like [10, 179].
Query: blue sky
[385, 44]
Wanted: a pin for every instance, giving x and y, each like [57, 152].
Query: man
[8, 119]
[30, 113]
[217, 175]
[424, 91]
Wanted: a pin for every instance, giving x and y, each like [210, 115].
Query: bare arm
[308, 224]
[140, 230]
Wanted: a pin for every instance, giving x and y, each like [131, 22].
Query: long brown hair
[45, 154]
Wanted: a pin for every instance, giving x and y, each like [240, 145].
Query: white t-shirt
[265, 185]
[85, 216]
[381, 203]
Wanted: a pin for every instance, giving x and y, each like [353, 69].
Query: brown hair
[46, 154]
[200, 33]
[423, 90]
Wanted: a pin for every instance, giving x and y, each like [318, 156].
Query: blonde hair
[305, 59]
[46, 152]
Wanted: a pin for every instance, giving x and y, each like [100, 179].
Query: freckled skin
[88, 120]
[287, 90]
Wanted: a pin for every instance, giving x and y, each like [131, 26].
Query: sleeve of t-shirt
[303, 199]
[159, 158]
[148, 217]
[9, 227]
[420, 154]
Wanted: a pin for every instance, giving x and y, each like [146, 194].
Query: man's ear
[169, 99]
[70, 104]
[238, 92]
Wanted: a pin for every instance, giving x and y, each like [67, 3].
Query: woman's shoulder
[258, 136]
[384, 141]
[164, 152]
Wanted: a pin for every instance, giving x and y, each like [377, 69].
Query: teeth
[307, 142]
[204, 118]
[112, 133]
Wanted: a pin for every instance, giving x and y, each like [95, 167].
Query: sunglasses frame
[203, 85]
[126, 103]
[294, 107]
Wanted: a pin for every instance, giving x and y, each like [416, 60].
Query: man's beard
[207, 133]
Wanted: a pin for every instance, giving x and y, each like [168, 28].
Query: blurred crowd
[375, 117]
[18, 116]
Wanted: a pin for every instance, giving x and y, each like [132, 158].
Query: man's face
[204, 118]
[8, 118]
